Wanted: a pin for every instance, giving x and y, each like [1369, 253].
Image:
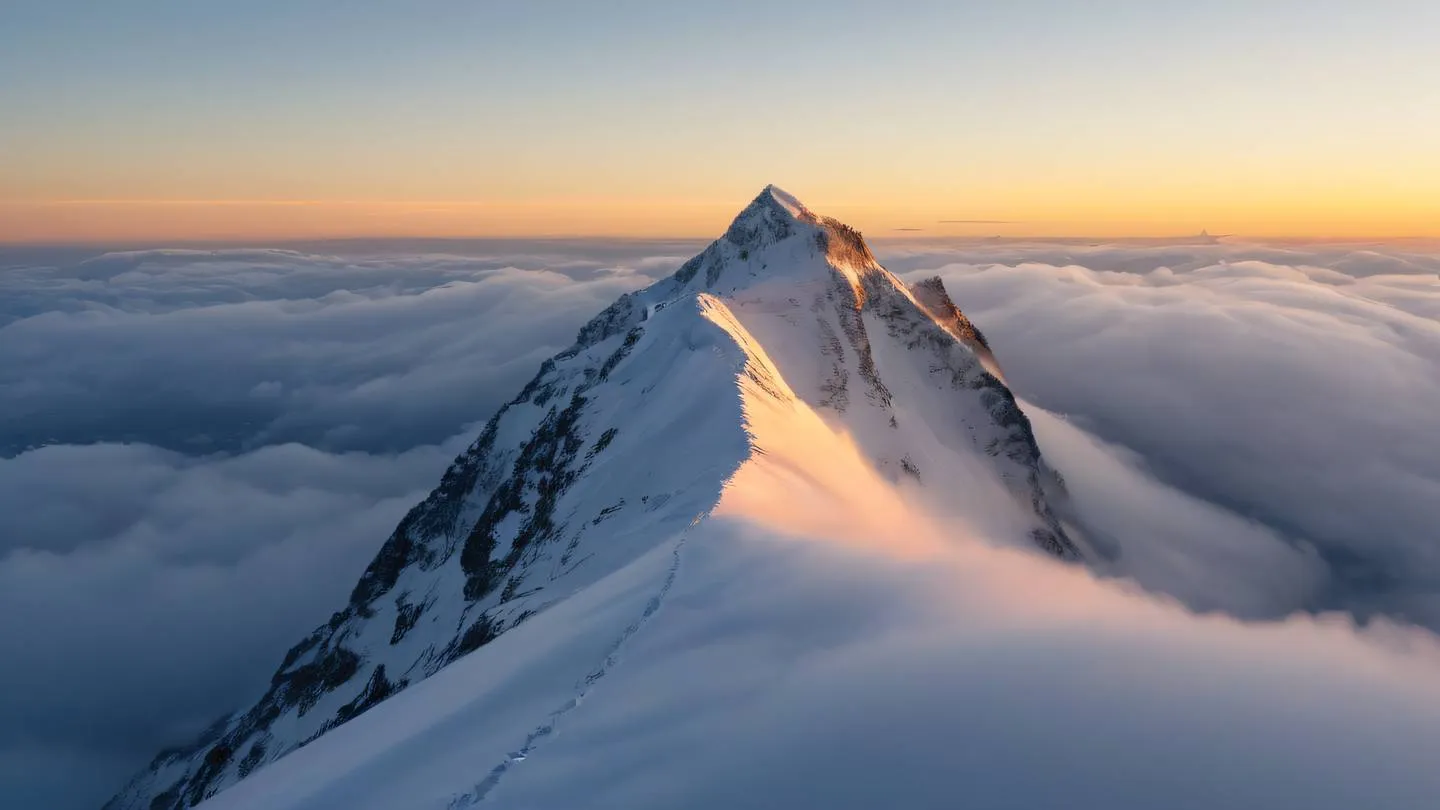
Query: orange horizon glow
[249, 220]
[508, 120]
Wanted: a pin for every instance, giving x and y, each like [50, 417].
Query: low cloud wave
[1304, 396]
[235, 349]
[1246, 429]
[206, 447]
[982, 676]
[866, 647]
[144, 593]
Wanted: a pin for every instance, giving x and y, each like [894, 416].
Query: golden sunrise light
[958, 121]
[1351, 212]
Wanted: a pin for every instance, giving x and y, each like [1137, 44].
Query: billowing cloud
[844, 653]
[1246, 429]
[144, 593]
[984, 677]
[233, 349]
[1170, 541]
[280, 411]
[1297, 388]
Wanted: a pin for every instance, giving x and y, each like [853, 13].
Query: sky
[163, 121]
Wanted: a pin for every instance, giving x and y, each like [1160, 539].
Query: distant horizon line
[84, 221]
[895, 235]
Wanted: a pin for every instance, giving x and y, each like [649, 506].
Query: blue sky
[1297, 117]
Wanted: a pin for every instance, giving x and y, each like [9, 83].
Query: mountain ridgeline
[627, 437]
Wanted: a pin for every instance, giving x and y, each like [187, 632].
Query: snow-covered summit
[771, 216]
[783, 346]
[786, 200]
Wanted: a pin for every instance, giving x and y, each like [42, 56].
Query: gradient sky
[181, 120]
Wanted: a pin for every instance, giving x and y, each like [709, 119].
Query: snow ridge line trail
[538, 735]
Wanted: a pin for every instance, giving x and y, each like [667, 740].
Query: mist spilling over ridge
[779, 459]
[690, 393]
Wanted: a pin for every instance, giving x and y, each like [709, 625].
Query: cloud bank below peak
[1302, 395]
[234, 349]
[1247, 428]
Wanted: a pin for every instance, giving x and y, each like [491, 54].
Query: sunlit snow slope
[782, 374]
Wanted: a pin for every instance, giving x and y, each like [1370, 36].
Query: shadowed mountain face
[627, 438]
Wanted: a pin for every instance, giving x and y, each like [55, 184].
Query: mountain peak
[774, 195]
[771, 216]
[775, 215]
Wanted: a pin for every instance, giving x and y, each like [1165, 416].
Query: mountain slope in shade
[782, 343]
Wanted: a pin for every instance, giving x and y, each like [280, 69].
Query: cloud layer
[1304, 395]
[1247, 429]
[839, 653]
[981, 676]
[144, 593]
[233, 349]
[281, 410]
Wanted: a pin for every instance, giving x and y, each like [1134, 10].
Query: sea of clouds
[201, 449]
[1296, 387]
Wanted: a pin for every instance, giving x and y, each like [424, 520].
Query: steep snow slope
[785, 334]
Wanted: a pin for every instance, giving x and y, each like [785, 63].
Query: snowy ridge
[536, 737]
[782, 341]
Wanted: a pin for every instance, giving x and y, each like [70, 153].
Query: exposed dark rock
[304, 685]
[480, 632]
[613, 320]
[169, 798]
[406, 615]
[252, 758]
[377, 689]
[602, 442]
